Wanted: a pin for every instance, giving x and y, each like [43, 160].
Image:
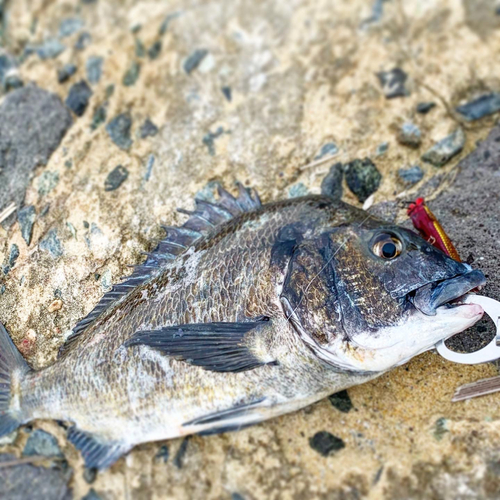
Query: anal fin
[97, 453]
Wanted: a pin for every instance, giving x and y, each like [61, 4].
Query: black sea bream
[246, 312]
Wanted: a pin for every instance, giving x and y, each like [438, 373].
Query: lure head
[367, 297]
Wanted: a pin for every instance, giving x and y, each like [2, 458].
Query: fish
[245, 312]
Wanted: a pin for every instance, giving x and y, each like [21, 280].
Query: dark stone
[163, 454]
[341, 401]
[92, 495]
[89, 475]
[393, 83]
[78, 97]
[444, 150]
[132, 74]
[148, 129]
[480, 107]
[7, 64]
[119, 130]
[409, 135]
[52, 244]
[194, 60]
[237, 496]
[411, 175]
[154, 50]
[209, 140]
[83, 41]
[181, 452]
[12, 82]
[227, 93]
[99, 117]
[424, 107]
[26, 218]
[140, 50]
[115, 178]
[50, 49]
[469, 212]
[328, 149]
[25, 481]
[382, 149]
[326, 443]
[66, 72]
[32, 124]
[362, 177]
[11, 260]
[69, 26]
[332, 183]
[43, 444]
[94, 68]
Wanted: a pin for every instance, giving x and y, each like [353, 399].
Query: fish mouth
[446, 293]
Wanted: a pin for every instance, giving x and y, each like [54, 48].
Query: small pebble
[209, 140]
[440, 428]
[478, 108]
[7, 64]
[227, 93]
[237, 496]
[442, 152]
[332, 184]
[148, 129]
[328, 149]
[47, 182]
[50, 49]
[393, 83]
[341, 401]
[140, 51]
[411, 175]
[424, 107]
[89, 475]
[69, 26]
[83, 41]
[92, 495]
[382, 149]
[194, 60]
[11, 260]
[56, 305]
[163, 454]
[326, 443]
[98, 117]
[132, 74]
[363, 178]
[94, 68]
[154, 50]
[52, 244]
[41, 443]
[78, 97]
[297, 190]
[409, 135]
[66, 72]
[12, 82]
[119, 130]
[115, 178]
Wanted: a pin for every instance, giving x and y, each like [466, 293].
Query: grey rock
[47, 182]
[69, 26]
[194, 60]
[78, 97]
[382, 149]
[132, 74]
[99, 116]
[332, 183]
[11, 259]
[393, 83]
[26, 218]
[326, 443]
[480, 107]
[411, 175]
[92, 495]
[32, 124]
[409, 135]
[328, 149]
[66, 72]
[140, 50]
[444, 150]
[41, 443]
[119, 130]
[363, 178]
[90, 475]
[424, 107]
[25, 481]
[9, 78]
[7, 64]
[12, 82]
[83, 41]
[341, 401]
[52, 244]
[115, 178]
[297, 190]
[50, 49]
[227, 93]
[154, 50]
[93, 68]
[148, 129]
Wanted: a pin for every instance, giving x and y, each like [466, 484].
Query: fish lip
[446, 293]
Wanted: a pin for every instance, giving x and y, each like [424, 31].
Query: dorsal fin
[201, 220]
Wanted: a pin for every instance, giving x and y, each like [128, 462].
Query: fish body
[244, 313]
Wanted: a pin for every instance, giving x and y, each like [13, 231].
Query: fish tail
[12, 368]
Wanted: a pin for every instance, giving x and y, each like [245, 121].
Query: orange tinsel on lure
[428, 226]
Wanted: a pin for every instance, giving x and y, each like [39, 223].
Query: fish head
[371, 296]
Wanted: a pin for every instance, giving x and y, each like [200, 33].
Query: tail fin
[12, 365]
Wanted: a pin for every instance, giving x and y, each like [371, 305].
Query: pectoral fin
[219, 347]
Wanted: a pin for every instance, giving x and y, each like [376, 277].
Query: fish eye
[387, 246]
